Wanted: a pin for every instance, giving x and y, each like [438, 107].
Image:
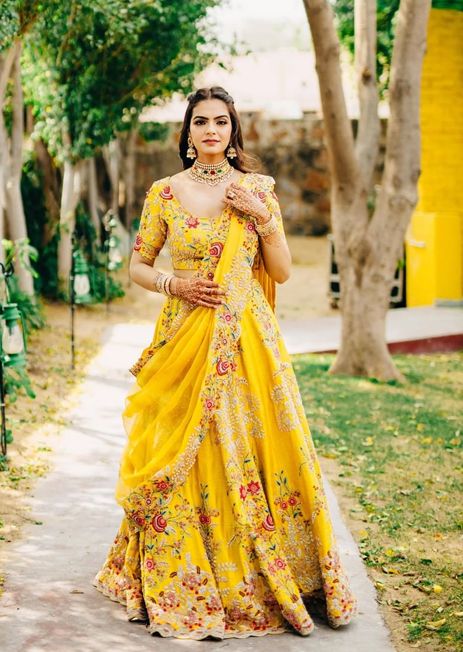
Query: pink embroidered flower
[205, 519]
[292, 500]
[166, 193]
[168, 600]
[210, 275]
[227, 317]
[216, 249]
[261, 195]
[279, 563]
[138, 242]
[191, 580]
[161, 485]
[243, 492]
[222, 367]
[210, 404]
[139, 519]
[149, 564]
[253, 487]
[148, 501]
[284, 504]
[250, 226]
[159, 523]
[213, 604]
[268, 523]
[192, 222]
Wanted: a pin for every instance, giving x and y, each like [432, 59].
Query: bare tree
[368, 246]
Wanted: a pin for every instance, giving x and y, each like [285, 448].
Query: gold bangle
[156, 281]
[269, 227]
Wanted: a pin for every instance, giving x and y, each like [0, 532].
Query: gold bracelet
[269, 227]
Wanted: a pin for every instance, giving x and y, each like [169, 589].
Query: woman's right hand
[198, 291]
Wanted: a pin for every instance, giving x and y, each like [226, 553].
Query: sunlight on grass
[399, 451]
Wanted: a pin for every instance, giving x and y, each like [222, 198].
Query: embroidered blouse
[189, 238]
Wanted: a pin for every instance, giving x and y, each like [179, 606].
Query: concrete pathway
[408, 330]
[49, 602]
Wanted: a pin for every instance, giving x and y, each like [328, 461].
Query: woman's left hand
[244, 200]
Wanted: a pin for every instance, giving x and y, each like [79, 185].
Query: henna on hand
[245, 201]
[197, 291]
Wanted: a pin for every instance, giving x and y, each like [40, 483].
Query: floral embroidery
[233, 531]
[192, 222]
[216, 249]
[138, 242]
[166, 193]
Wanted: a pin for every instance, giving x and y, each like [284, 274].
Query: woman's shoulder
[158, 185]
[262, 181]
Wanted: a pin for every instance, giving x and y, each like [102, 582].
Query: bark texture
[69, 199]
[368, 247]
[11, 162]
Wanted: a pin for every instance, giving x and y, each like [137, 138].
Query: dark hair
[242, 161]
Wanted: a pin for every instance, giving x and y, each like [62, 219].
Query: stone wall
[292, 151]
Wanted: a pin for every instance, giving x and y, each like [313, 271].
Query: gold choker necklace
[211, 173]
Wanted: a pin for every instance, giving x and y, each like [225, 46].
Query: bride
[226, 530]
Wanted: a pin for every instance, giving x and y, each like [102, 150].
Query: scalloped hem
[168, 632]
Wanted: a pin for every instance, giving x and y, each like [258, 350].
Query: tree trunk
[367, 250]
[6, 63]
[111, 155]
[51, 190]
[129, 177]
[93, 194]
[12, 176]
[367, 142]
[69, 199]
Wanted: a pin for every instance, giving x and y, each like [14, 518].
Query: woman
[226, 531]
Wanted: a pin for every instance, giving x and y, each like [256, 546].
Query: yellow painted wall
[434, 245]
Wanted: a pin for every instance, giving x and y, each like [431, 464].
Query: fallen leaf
[437, 588]
[434, 625]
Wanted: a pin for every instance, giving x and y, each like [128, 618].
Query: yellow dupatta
[178, 389]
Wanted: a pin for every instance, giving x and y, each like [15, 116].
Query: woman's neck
[211, 159]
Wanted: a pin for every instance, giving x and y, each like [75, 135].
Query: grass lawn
[395, 452]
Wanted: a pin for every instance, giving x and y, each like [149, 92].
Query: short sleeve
[153, 228]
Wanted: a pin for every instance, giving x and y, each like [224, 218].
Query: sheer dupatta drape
[178, 389]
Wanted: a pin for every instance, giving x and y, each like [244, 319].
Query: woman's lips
[210, 142]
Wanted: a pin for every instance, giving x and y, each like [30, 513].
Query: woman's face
[210, 129]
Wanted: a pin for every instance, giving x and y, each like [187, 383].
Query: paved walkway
[49, 602]
[408, 330]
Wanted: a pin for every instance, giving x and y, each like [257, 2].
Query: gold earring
[231, 152]
[191, 152]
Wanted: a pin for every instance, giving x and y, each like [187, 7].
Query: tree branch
[367, 141]
[398, 193]
[339, 136]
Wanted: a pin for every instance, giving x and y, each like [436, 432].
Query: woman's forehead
[213, 108]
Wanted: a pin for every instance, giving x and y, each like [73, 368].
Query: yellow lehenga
[226, 531]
